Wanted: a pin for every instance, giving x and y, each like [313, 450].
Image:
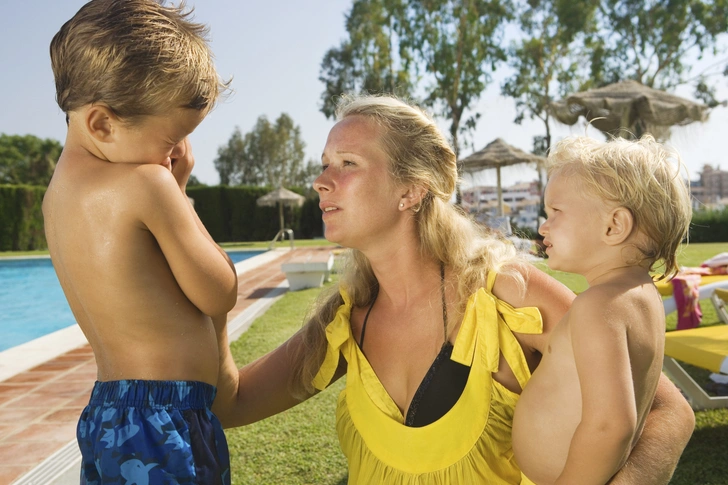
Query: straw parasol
[629, 107]
[281, 197]
[497, 154]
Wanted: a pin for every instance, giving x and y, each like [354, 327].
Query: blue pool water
[32, 303]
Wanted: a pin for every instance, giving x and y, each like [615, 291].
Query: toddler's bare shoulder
[603, 305]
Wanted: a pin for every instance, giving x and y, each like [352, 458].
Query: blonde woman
[436, 325]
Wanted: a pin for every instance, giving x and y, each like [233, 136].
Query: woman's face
[358, 197]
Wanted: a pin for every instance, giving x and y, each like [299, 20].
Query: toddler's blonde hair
[641, 175]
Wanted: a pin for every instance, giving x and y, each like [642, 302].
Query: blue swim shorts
[152, 432]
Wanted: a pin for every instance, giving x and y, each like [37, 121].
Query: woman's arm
[551, 297]
[256, 391]
[666, 433]
[259, 389]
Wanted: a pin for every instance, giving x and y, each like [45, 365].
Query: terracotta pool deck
[39, 407]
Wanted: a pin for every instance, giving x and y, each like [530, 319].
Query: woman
[437, 325]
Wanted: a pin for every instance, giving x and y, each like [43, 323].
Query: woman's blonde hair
[136, 56]
[419, 155]
[644, 177]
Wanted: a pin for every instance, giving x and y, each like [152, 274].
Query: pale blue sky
[273, 50]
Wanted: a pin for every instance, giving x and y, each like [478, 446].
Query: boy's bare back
[139, 297]
[147, 284]
[605, 322]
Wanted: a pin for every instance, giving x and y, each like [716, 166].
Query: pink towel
[685, 289]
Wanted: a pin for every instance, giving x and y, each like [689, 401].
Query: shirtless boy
[615, 211]
[147, 284]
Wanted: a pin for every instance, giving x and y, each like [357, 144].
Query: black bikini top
[444, 382]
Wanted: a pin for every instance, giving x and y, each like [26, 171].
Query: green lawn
[300, 446]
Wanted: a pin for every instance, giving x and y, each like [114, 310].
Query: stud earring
[401, 204]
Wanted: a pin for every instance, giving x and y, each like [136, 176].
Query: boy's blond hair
[135, 56]
[644, 177]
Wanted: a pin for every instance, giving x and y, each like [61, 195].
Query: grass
[300, 446]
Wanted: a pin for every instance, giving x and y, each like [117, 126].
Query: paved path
[39, 407]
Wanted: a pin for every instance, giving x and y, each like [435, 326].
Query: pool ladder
[282, 235]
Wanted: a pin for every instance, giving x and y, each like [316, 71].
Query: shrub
[21, 218]
[231, 214]
[709, 226]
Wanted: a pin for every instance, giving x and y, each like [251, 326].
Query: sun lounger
[665, 287]
[308, 270]
[720, 302]
[705, 347]
[705, 291]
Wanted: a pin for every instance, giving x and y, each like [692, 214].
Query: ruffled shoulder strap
[338, 332]
[486, 326]
[490, 281]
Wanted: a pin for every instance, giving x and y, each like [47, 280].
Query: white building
[711, 189]
[521, 202]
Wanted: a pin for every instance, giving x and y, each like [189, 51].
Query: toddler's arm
[201, 268]
[182, 169]
[602, 439]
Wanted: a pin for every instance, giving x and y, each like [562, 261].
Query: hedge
[230, 214]
[21, 218]
[709, 226]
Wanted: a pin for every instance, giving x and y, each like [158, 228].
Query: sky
[273, 51]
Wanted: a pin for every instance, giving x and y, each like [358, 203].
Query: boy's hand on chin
[181, 166]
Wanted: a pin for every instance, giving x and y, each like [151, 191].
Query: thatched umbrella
[497, 154]
[281, 197]
[629, 107]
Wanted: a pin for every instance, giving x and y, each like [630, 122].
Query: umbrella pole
[280, 213]
[624, 128]
[500, 192]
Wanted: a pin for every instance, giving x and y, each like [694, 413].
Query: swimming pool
[32, 303]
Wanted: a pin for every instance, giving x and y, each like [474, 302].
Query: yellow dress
[471, 443]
